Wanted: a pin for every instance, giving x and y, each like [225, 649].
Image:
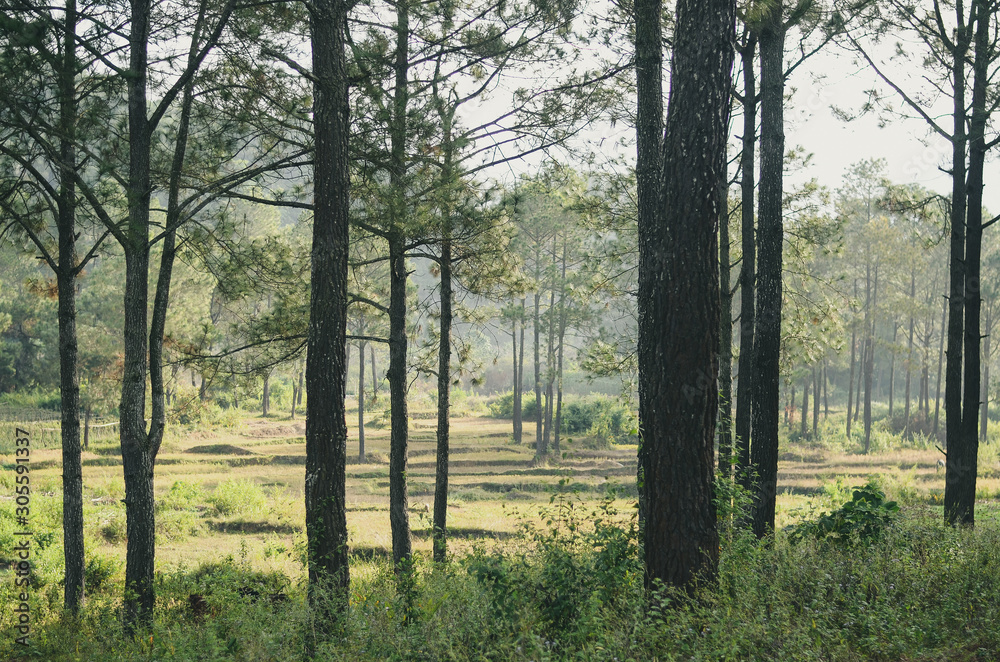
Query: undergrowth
[571, 588]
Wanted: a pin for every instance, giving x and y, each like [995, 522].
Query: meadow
[544, 555]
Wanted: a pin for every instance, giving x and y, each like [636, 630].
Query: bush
[503, 406]
[864, 518]
[240, 496]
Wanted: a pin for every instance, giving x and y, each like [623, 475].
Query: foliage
[862, 519]
[238, 497]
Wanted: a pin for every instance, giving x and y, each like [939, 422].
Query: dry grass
[494, 485]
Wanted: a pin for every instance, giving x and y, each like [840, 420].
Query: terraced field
[239, 491]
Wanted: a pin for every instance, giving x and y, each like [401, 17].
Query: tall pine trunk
[679, 323]
[963, 452]
[767, 337]
[649, 136]
[325, 370]
[66, 272]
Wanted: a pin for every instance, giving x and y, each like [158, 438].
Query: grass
[230, 515]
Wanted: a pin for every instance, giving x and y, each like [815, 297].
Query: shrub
[503, 406]
[864, 518]
[240, 496]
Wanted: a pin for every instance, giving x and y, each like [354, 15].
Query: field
[231, 497]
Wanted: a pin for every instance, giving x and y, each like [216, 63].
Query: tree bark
[963, 451]
[649, 137]
[361, 401]
[850, 379]
[444, 388]
[804, 422]
[870, 358]
[66, 272]
[540, 449]
[560, 339]
[399, 517]
[265, 397]
[955, 476]
[679, 304]
[815, 377]
[767, 337]
[937, 388]
[325, 371]
[909, 356]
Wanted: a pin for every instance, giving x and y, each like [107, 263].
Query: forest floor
[237, 491]
[546, 559]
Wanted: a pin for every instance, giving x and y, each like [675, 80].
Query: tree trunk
[850, 379]
[815, 377]
[985, 393]
[955, 476]
[909, 356]
[937, 388]
[325, 372]
[725, 340]
[540, 449]
[826, 394]
[679, 323]
[515, 410]
[444, 388]
[892, 367]
[804, 423]
[361, 401]
[649, 136]
[963, 451]
[767, 338]
[550, 360]
[745, 377]
[560, 338]
[870, 359]
[399, 517]
[265, 398]
[137, 461]
[519, 387]
[66, 272]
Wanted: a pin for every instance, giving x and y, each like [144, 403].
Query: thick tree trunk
[325, 371]
[963, 456]
[679, 322]
[748, 276]
[649, 136]
[137, 461]
[955, 506]
[767, 338]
